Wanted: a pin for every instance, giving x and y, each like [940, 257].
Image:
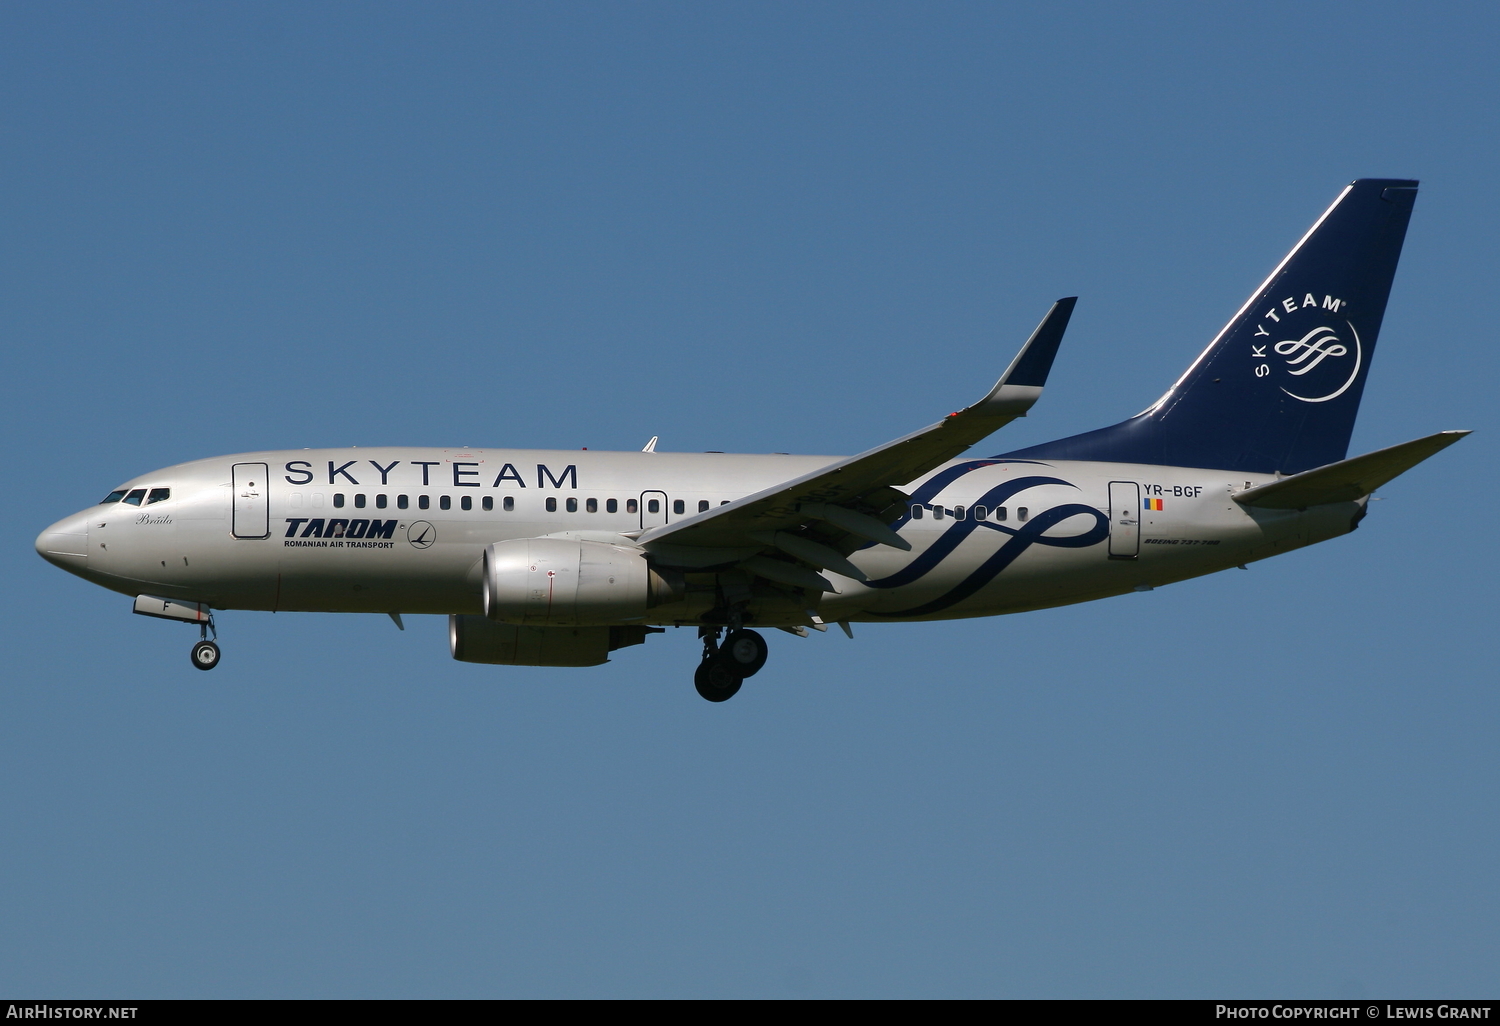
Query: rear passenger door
[1124, 520]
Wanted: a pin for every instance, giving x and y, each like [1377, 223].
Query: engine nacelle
[558, 582]
[473, 639]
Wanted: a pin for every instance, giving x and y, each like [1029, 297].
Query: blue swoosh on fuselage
[1022, 538]
[961, 529]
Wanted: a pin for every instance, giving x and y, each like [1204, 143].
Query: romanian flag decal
[1153, 504]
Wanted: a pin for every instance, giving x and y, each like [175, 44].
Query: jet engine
[473, 639]
[561, 582]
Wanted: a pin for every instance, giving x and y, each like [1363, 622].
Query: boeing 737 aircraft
[552, 558]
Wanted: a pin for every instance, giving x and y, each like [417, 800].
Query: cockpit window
[135, 497]
[114, 496]
[158, 495]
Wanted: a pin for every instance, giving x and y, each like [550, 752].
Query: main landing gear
[205, 652]
[726, 664]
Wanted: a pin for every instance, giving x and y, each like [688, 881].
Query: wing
[819, 518]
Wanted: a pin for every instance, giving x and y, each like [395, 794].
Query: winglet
[1021, 384]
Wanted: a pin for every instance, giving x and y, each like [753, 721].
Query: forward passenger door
[252, 501]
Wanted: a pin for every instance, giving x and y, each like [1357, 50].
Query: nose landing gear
[725, 666]
[205, 652]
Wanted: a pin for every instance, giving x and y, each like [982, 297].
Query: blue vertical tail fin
[1278, 389]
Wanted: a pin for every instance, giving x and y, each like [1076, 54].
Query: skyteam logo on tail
[1317, 345]
[1322, 356]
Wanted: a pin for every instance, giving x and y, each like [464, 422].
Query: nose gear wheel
[205, 655]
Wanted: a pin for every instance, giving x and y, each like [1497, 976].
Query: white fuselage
[1071, 531]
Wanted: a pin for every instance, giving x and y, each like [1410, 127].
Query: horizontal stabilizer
[1346, 480]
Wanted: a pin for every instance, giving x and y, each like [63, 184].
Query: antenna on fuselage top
[651, 445]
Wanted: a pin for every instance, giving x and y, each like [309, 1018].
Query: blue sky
[753, 227]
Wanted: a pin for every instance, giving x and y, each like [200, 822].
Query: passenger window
[338, 500]
[158, 495]
[1000, 513]
[611, 506]
[508, 503]
[467, 502]
[572, 505]
[380, 501]
[135, 497]
[702, 505]
[630, 506]
[937, 512]
[980, 513]
[723, 502]
[678, 506]
[114, 496]
[917, 511]
[591, 505]
[958, 512]
[295, 502]
[317, 502]
[551, 504]
[488, 503]
[359, 500]
[402, 502]
[1021, 512]
[652, 506]
[445, 502]
[423, 502]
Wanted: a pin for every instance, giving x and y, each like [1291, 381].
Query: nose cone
[66, 543]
